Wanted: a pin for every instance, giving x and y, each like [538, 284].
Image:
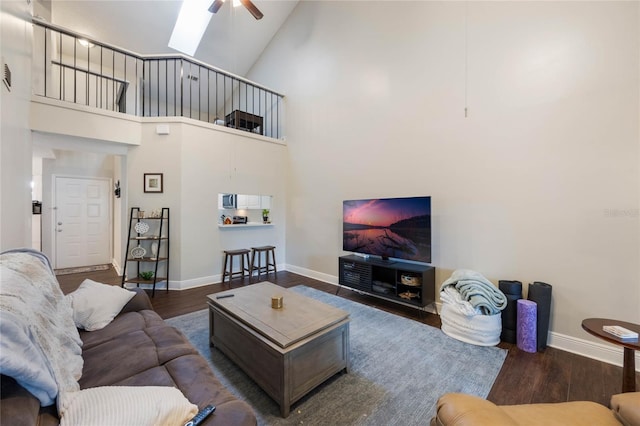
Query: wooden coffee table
[594, 326]
[287, 351]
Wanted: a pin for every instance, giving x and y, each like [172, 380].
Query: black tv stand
[398, 281]
[378, 261]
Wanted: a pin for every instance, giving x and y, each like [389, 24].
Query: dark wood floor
[549, 376]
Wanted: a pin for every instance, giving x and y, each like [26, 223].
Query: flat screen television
[397, 228]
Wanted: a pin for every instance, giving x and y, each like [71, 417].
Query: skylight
[190, 26]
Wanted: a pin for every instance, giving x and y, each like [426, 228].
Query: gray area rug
[399, 368]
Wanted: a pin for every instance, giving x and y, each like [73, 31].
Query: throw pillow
[95, 304]
[126, 405]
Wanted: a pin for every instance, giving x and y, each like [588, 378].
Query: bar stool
[228, 259]
[270, 266]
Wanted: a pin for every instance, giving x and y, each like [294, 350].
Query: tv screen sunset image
[390, 227]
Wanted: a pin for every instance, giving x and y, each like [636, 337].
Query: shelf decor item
[153, 182]
[410, 280]
[141, 227]
[147, 275]
[265, 215]
[138, 252]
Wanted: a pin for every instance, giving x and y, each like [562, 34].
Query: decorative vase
[265, 219]
[154, 250]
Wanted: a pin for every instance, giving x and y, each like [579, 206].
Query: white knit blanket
[477, 290]
[451, 296]
[40, 345]
[481, 330]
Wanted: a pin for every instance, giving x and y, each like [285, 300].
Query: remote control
[202, 414]
[224, 296]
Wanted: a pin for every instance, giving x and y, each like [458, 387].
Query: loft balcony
[73, 68]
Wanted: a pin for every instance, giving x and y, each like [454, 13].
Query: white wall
[67, 164]
[120, 213]
[79, 121]
[15, 146]
[198, 161]
[539, 182]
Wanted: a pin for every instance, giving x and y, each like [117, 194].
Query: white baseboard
[331, 279]
[116, 266]
[180, 285]
[202, 281]
[194, 282]
[600, 351]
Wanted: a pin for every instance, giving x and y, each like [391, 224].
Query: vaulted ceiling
[233, 40]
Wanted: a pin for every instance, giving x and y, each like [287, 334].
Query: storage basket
[411, 280]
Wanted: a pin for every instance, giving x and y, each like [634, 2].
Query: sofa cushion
[120, 405]
[467, 410]
[562, 413]
[195, 378]
[156, 376]
[458, 409]
[121, 325]
[117, 359]
[19, 407]
[95, 304]
[141, 343]
[626, 407]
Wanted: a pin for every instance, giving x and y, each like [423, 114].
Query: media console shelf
[395, 280]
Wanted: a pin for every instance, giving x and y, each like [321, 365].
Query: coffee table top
[299, 318]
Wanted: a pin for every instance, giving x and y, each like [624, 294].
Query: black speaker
[513, 291]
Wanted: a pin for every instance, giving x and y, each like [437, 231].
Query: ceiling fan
[217, 4]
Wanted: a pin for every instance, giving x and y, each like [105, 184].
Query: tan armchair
[455, 409]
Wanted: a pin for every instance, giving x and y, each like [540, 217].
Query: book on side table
[620, 332]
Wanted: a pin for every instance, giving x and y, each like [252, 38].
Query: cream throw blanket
[40, 345]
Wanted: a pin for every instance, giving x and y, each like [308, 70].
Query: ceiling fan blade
[252, 8]
[216, 5]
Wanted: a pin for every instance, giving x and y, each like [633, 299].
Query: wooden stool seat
[228, 259]
[269, 266]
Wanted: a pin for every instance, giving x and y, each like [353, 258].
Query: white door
[82, 222]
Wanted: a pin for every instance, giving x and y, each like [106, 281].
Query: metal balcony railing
[73, 68]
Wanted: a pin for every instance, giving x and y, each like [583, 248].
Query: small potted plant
[147, 275]
[265, 215]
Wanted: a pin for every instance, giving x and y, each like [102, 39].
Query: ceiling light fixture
[253, 10]
[190, 26]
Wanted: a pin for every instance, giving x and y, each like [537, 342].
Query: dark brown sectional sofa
[137, 349]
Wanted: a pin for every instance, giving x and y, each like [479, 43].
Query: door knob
[59, 223]
[59, 230]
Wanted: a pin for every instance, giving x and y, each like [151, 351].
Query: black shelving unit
[398, 281]
[144, 232]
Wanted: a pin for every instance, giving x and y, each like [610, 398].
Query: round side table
[594, 326]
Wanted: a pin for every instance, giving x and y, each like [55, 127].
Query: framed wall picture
[153, 182]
